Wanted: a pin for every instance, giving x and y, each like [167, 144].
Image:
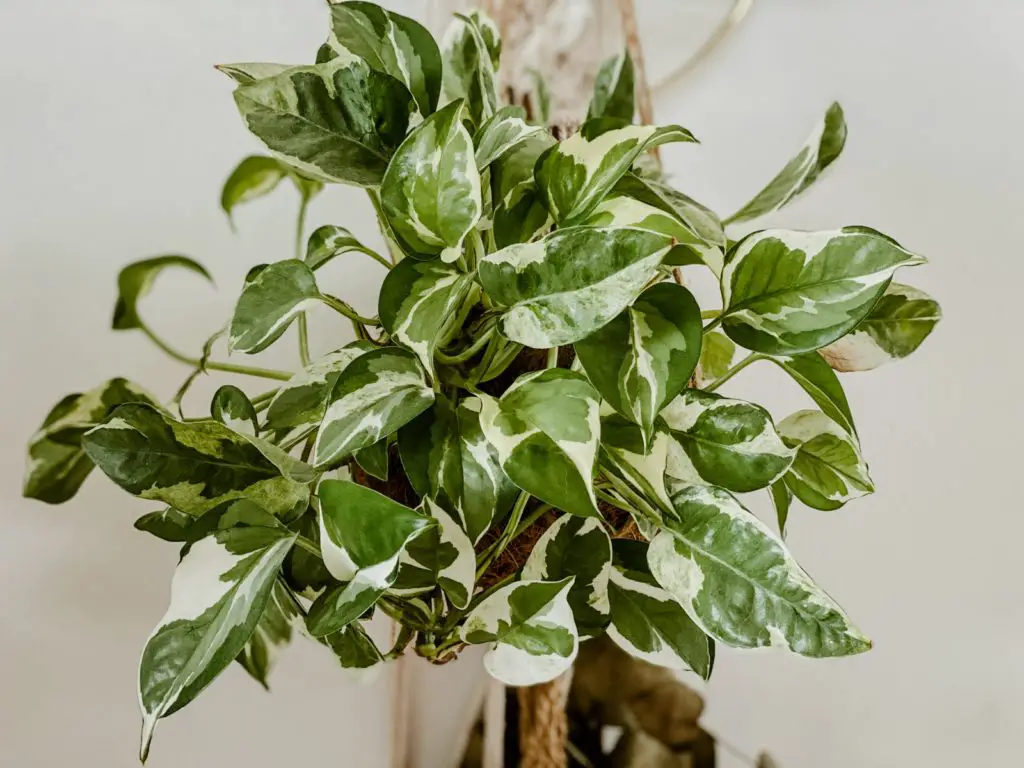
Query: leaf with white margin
[575, 175]
[519, 215]
[390, 43]
[135, 281]
[57, 464]
[647, 622]
[819, 381]
[472, 49]
[576, 547]
[724, 442]
[192, 466]
[787, 292]
[740, 584]
[251, 71]
[641, 464]
[276, 295]
[339, 121]
[700, 220]
[253, 178]
[896, 326]
[828, 470]
[546, 429]
[274, 630]
[623, 211]
[362, 535]
[330, 241]
[531, 630]
[644, 357]
[564, 287]
[447, 457]
[716, 353]
[232, 408]
[431, 191]
[503, 132]
[614, 89]
[375, 395]
[374, 459]
[443, 556]
[218, 595]
[417, 300]
[821, 149]
[302, 400]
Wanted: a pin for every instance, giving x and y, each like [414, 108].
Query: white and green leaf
[281, 616]
[440, 556]
[255, 177]
[330, 241]
[232, 408]
[519, 214]
[829, 469]
[716, 354]
[614, 89]
[251, 71]
[272, 298]
[638, 462]
[819, 381]
[136, 280]
[504, 131]
[471, 51]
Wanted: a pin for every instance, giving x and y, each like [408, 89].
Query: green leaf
[787, 292]
[740, 585]
[193, 466]
[328, 242]
[817, 379]
[576, 547]
[353, 648]
[716, 354]
[168, 524]
[362, 535]
[828, 470]
[336, 122]
[563, 288]
[782, 499]
[303, 572]
[251, 71]
[375, 395]
[270, 301]
[390, 43]
[614, 90]
[645, 357]
[519, 213]
[641, 464]
[546, 429]
[232, 408]
[273, 631]
[374, 459]
[57, 464]
[531, 630]
[504, 131]
[302, 400]
[647, 622]
[471, 52]
[896, 326]
[724, 442]
[254, 177]
[442, 555]
[417, 300]
[446, 456]
[135, 281]
[576, 174]
[218, 595]
[822, 148]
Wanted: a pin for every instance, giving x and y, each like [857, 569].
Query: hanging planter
[523, 449]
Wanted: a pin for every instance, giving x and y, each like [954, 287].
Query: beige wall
[114, 137]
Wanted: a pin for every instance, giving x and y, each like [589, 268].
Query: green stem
[287, 445]
[385, 227]
[469, 351]
[300, 228]
[753, 357]
[502, 543]
[552, 361]
[343, 308]
[714, 323]
[309, 545]
[213, 365]
[614, 501]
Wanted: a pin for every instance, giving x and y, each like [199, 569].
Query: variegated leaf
[614, 90]
[641, 464]
[168, 524]
[472, 48]
[390, 43]
[135, 281]
[896, 326]
[519, 213]
[416, 300]
[57, 464]
[576, 547]
[787, 292]
[740, 584]
[645, 356]
[193, 466]
[232, 408]
[647, 622]
[828, 470]
[503, 132]
[375, 395]
[576, 174]
[362, 535]
[274, 630]
[218, 595]
[530, 629]
[302, 400]
[354, 649]
[546, 429]
[716, 353]
[431, 191]
[822, 148]
[251, 71]
[337, 122]
[329, 241]
[446, 457]
[254, 177]
[817, 379]
[563, 288]
[304, 572]
[273, 297]
[724, 442]
[440, 556]
[374, 459]
[623, 211]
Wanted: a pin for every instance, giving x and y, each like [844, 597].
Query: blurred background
[116, 134]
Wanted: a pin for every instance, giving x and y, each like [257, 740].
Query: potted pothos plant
[524, 447]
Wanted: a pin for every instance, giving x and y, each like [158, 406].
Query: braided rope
[543, 724]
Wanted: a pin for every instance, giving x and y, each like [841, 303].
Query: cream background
[115, 136]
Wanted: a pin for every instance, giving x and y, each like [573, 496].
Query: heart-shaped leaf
[273, 297]
[614, 90]
[135, 281]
